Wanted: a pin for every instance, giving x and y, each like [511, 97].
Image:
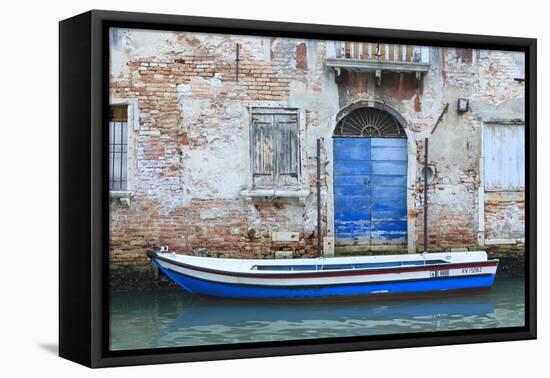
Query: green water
[170, 317]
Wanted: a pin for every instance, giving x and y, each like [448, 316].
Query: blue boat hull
[397, 288]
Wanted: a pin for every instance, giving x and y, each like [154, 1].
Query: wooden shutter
[504, 155]
[263, 150]
[288, 151]
[275, 148]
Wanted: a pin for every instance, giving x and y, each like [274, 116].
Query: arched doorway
[370, 181]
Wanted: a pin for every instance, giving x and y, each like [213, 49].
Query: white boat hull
[321, 277]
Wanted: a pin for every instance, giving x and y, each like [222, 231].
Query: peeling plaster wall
[192, 161]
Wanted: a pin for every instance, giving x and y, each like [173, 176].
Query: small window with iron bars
[118, 147]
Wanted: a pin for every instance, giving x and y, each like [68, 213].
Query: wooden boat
[393, 275]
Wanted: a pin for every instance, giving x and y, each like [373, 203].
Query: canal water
[170, 317]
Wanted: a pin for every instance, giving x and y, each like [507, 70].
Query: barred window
[275, 150]
[118, 147]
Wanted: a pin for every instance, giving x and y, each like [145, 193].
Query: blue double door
[370, 199]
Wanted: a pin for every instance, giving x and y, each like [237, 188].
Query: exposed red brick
[417, 104]
[184, 139]
[301, 56]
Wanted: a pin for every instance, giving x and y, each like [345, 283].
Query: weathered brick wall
[505, 215]
[487, 79]
[191, 161]
[191, 155]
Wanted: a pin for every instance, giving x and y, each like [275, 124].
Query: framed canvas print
[234, 188]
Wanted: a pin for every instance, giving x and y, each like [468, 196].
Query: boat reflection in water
[214, 321]
[171, 317]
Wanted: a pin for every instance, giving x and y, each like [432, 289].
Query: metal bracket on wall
[237, 60]
[440, 117]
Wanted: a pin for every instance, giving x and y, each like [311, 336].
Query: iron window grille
[369, 122]
[118, 147]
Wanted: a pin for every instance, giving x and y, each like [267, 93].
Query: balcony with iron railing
[374, 57]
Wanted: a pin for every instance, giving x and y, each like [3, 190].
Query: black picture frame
[83, 197]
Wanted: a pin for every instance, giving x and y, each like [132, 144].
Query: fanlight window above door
[369, 122]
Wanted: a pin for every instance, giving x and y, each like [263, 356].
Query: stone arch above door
[369, 122]
[380, 105]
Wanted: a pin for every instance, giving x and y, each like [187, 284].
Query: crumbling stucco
[191, 150]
